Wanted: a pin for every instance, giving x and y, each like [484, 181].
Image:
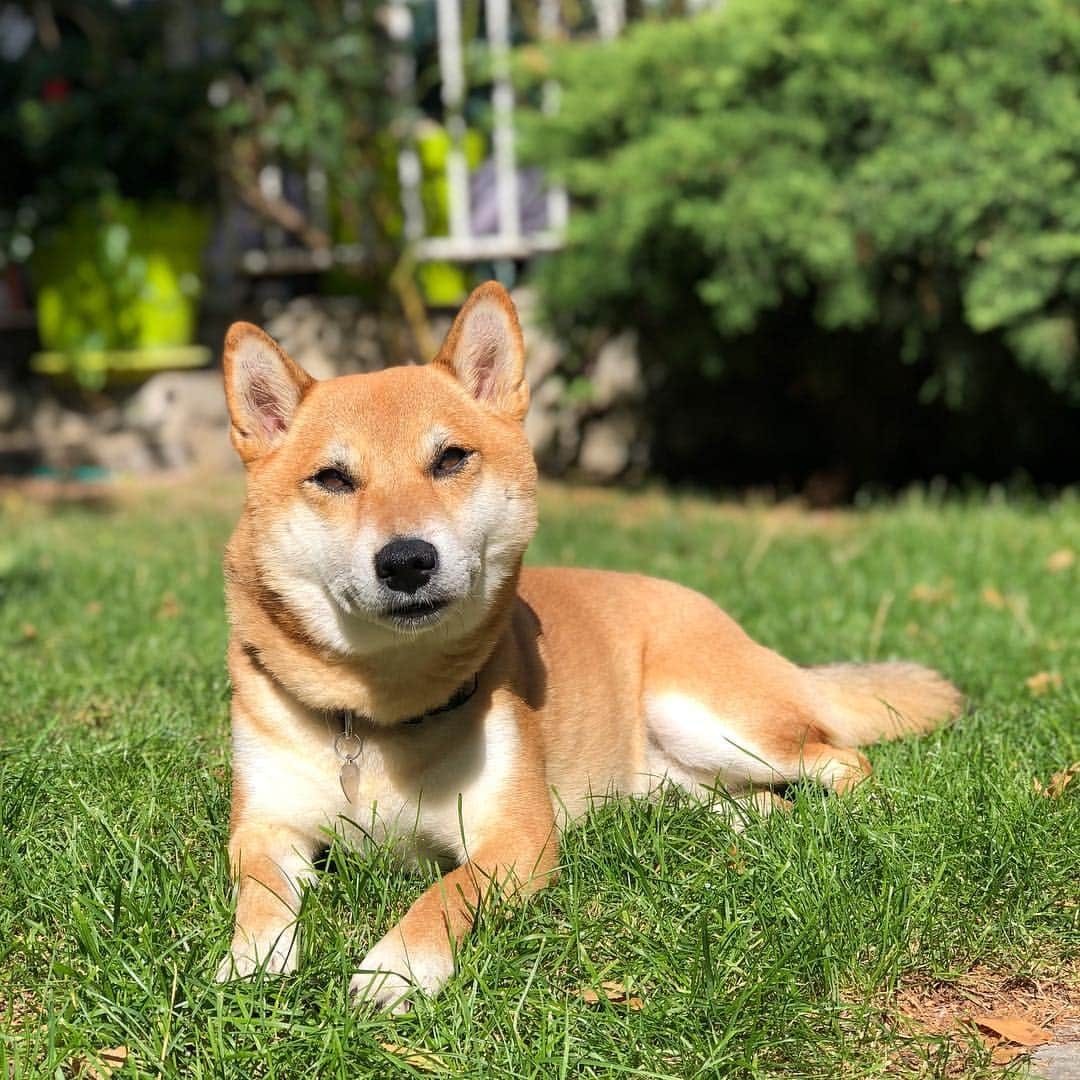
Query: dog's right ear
[263, 386]
[485, 352]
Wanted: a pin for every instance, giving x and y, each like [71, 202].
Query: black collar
[461, 695]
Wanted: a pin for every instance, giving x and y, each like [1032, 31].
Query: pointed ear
[485, 351]
[263, 386]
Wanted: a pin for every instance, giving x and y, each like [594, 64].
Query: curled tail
[870, 702]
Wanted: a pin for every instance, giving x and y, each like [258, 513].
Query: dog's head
[389, 504]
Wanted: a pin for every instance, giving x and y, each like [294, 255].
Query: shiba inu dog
[398, 677]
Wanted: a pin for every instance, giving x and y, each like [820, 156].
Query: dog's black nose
[406, 565]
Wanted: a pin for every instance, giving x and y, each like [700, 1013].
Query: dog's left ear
[263, 386]
[485, 351]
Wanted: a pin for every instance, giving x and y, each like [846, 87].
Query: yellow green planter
[95, 367]
[117, 289]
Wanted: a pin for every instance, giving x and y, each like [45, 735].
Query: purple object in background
[484, 201]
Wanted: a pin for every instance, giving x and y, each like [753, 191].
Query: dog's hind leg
[699, 747]
[834, 767]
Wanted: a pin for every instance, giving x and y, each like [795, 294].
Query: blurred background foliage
[846, 231]
[306, 86]
[100, 102]
[175, 99]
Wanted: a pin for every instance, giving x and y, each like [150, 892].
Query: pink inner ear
[269, 397]
[267, 408]
[486, 343]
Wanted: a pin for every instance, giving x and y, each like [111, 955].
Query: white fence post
[610, 18]
[452, 69]
[506, 180]
[558, 204]
[403, 83]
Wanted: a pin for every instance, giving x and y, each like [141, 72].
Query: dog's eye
[333, 480]
[450, 460]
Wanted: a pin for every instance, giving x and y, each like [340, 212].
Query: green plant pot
[119, 278]
[94, 368]
[444, 284]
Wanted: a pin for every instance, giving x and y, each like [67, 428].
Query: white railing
[513, 237]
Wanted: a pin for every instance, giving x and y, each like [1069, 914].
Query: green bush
[101, 100]
[898, 182]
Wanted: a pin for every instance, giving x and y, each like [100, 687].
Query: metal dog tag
[350, 779]
[347, 746]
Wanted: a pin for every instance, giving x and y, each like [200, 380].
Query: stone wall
[584, 419]
[584, 422]
[174, 420]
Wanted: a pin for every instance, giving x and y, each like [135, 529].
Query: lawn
[839, 940]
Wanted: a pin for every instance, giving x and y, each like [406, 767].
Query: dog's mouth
[417, 613]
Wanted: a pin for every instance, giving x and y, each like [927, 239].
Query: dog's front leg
[419, 951]
[269, 866]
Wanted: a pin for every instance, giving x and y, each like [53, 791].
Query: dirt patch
[20, 1006]
[177, 492]
[17, 494]
[974, 1008]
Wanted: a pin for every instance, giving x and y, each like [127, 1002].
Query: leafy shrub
[97, 106]
[863, 184]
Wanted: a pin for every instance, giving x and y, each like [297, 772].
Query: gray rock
[542, 358]
[616, 372]
[608, 447]
[181, 415]
[195, 396]
[210, 449]
[121, 452]
[62, 435]
[542, 419]
[333, 335]
[541, 429]
[526, 302]
[1058, 1061]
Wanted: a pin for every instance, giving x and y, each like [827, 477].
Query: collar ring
[347, 745]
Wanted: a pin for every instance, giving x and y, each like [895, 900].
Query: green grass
[775, 953]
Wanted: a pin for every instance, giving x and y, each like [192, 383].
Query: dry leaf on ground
[1058, 782]
[993, 597]
[937, 1007]
[934, 594]
[1006, 1052]
[1014, 1029]
[615, 992]
[1043, 682]
[1060, 560]
[419, 1059]
[101, 1066]
[735, 861]
[170, 607]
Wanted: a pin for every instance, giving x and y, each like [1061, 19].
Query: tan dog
[398, 676]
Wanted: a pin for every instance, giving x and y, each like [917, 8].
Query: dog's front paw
[390, 973]
[272, 953]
